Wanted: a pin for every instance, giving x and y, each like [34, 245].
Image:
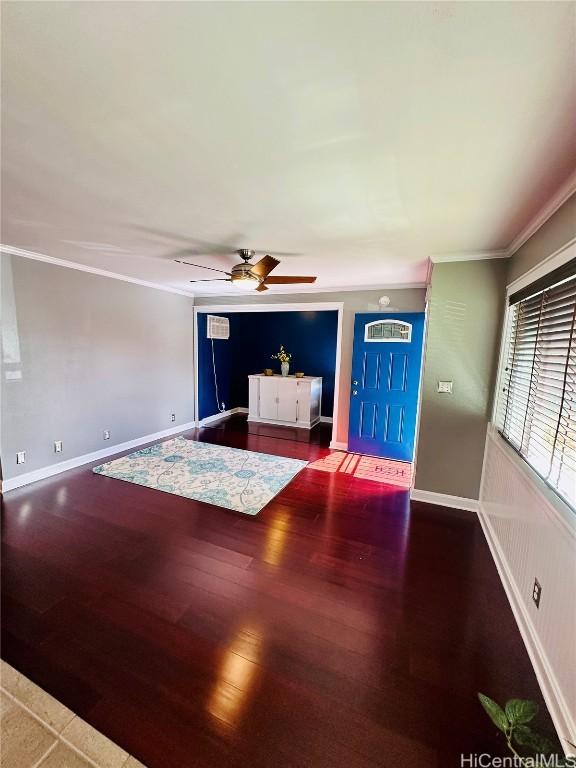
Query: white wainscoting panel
[532, 535]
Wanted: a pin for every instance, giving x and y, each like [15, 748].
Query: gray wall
[84, 353]
[466, 305]
[556, 232]
[464, 329]
[402, 300]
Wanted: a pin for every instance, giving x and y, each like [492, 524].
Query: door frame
[420, 387]
[390, 313]
[321, 306]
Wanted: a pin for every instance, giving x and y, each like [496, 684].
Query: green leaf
[495, 712]
[520, 711]
[524, 736]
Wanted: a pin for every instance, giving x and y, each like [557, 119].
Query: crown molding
[307, 306]
[566, 190]
[312, 291]
[442, 258]
[11, 250]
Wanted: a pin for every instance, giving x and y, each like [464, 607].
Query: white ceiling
[363, 137]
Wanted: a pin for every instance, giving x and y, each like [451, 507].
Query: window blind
[537, 411]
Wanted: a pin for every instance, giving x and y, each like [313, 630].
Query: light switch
[445, 387]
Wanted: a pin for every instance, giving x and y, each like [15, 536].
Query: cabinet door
[314, 399]
[287, 400]
[268, 398]
[253, 396]
[304, 401]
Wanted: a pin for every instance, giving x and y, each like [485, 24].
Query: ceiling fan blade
[201, 266]
[212, 280]
[261, 287]
[263, 267]
[288, 279]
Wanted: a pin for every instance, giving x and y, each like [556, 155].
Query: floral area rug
[244, 481]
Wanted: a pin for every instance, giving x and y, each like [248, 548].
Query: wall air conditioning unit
[218, 327]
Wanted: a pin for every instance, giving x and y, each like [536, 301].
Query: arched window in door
[388, 330]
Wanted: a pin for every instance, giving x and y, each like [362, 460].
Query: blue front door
[386, 366]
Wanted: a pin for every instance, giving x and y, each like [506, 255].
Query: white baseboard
[445, 500]
[278, 423]
[218, 416]
[10, 483]
[336, 446]
[555, 701]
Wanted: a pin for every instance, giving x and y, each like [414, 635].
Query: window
[537, 405]
[388, 330]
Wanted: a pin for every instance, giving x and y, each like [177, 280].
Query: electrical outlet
[106, 434]
[21, 457]
[536, 593]
[445, 387]
[173, 417]
[57, 446]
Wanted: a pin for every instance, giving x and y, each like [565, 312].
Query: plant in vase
[284, 358]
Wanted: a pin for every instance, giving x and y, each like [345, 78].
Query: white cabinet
[285, 400]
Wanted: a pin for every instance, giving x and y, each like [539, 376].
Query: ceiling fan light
[246, 283]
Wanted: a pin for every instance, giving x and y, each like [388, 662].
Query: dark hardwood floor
[343, 626]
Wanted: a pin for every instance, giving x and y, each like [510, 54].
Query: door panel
[268, 398]
[287, 397]
[371, 371]
[394, 423]
[398, 378]
[303, 396]
[386, 365]
[368, 420]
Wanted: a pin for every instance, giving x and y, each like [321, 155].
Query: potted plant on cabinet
[284, 358]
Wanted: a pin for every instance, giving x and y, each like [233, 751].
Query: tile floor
[39, 732]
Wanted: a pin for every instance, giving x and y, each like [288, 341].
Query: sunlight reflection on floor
[366, 468]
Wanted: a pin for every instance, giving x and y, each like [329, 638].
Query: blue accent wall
[223, 356]
[254, 337]
[309, 336]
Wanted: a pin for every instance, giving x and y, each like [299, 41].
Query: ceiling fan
[251, 276]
